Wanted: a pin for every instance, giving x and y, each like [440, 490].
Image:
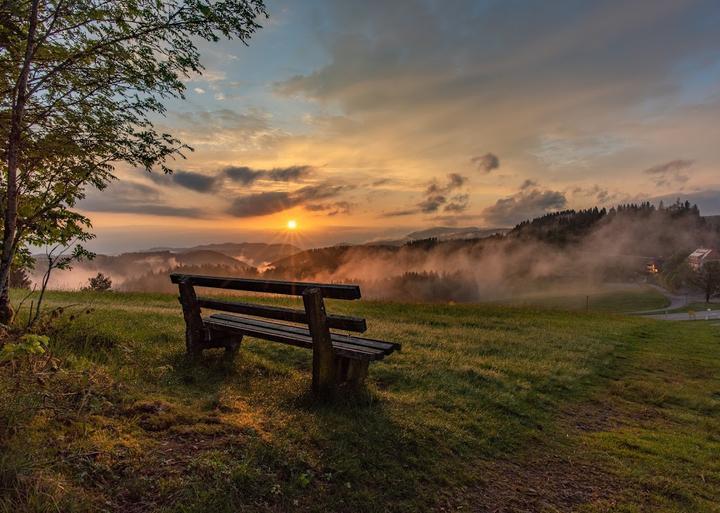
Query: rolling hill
[255, 254]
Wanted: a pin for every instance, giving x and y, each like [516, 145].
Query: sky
[367, 120]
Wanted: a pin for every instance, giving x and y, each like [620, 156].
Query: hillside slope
[254, 254]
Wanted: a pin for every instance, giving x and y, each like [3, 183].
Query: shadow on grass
[301, 450]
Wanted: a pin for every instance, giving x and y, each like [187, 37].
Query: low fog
[560, 252]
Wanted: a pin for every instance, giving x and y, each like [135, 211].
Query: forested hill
[570, 246]
[641, 229]
[631, 229]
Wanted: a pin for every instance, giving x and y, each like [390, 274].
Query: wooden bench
[337, 358]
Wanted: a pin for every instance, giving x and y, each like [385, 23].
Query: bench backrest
[192, 303]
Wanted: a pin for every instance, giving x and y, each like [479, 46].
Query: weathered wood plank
[195, 336]
[269, 286]
[364, 343]
[323, 373]
[290, 338]
[357, 372]
[351, 372]
[340, 322]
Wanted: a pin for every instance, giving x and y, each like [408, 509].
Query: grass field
[487, 408]
[609, 300]
[697, 307]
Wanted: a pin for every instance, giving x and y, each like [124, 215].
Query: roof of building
[701, 253]
[704, 253]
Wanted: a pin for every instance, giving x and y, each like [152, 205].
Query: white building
[701, 256]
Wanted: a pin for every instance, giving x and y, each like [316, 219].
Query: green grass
[487, 407]
[697, 307]
[606, 301]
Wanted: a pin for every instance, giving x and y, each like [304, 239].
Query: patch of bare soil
[543, 483]
[550, 478]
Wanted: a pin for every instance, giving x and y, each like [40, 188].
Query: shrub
[99, 283]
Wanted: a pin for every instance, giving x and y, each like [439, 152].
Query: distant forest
[572, 226]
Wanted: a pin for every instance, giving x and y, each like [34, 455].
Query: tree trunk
[9, 242]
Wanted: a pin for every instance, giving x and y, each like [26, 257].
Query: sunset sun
[292, 224]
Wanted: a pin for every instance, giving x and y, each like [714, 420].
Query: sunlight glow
[292, 224]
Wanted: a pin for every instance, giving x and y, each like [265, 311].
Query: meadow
[487, 408]
[608, 299]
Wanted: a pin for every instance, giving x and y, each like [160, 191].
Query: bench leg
[230, 342]
[193, 346]
[232, 347]
[350, 371]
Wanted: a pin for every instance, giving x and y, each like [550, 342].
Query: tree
[99, 283]
[60, 257]
[80, 81]
[18, 278]
[707, 278]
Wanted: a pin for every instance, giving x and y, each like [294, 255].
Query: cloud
[439, 196]
[525, 86]
[436, 195]
[199, 90]
[458, 204]
[571, 150]
[223, 130]
[265, 203]
[223, 119]
[486, 163]
[200, 182]
[527, 184]
[134, 198]
[432, 203]
[288, 174]
[194, 181]
[525, 204]
[670, 173]
[331, 209]
[241, 174]
[400, 213]
[261, 203]
[601, 195]
[247, 176]
[454, 181]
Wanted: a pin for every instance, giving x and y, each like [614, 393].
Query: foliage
[99, 283]
[676, 273]
[572, 226]
[80, 81]
[19, 278]
[560, 227]
[60, 258]
[707, 279]
[28, 344]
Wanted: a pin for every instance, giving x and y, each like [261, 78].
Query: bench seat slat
[291, 288]
[341, 322]
[294, 339]
[281, 333]
[302, 335]
[385, 347]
